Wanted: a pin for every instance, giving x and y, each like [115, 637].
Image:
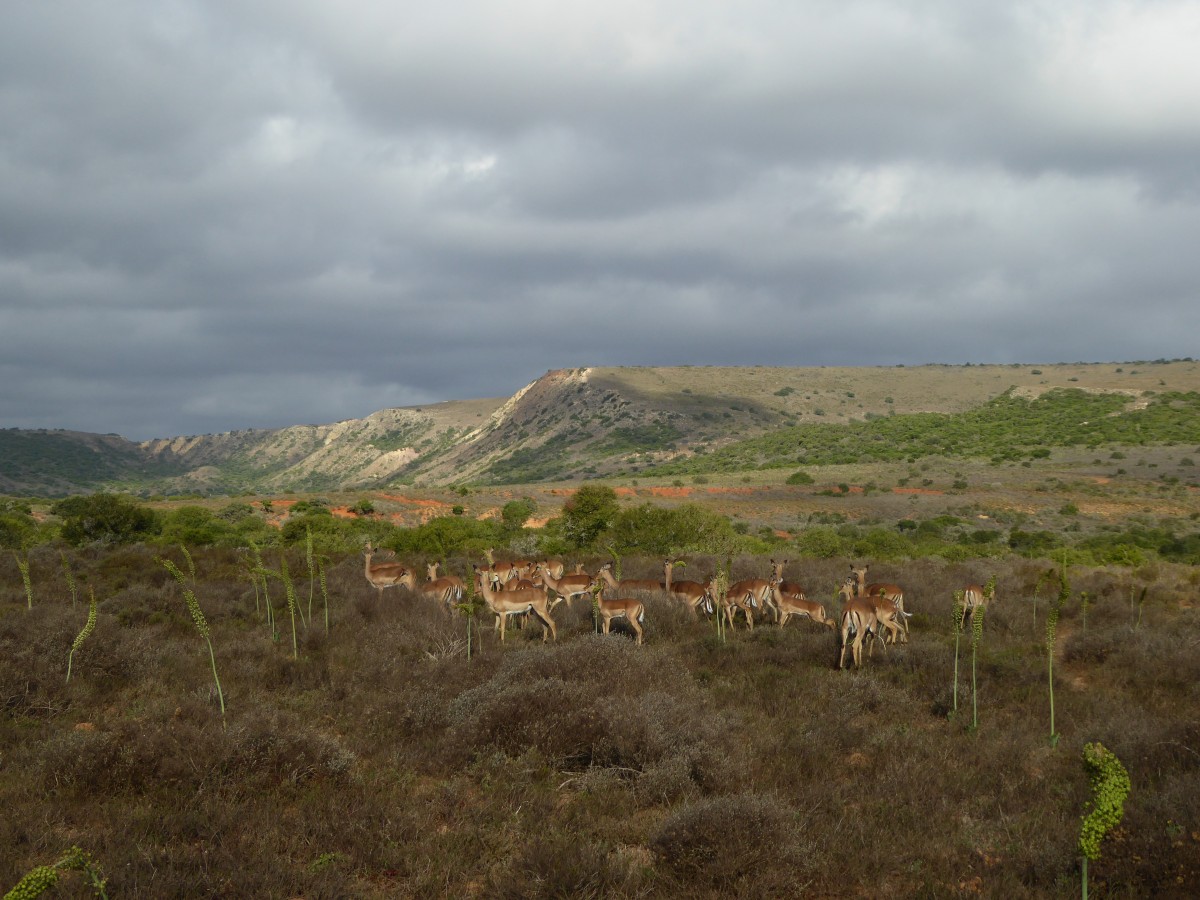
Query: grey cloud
[216, 217]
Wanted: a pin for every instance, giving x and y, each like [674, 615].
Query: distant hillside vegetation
[572, 424]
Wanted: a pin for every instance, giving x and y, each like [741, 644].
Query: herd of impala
[528, 588]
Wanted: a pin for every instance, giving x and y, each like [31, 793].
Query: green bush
[105, 519]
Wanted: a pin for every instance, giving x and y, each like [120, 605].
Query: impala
[857, 621]
[449, 589]
[693, 593]
[799, 606]
[631, 610]
[973, 598]
[386, 575]
[625, 585]
[569, 586]
[887, 616]
[893, 592]
[554, 566]
[731, 602]
[756, 592]
[516, 603]
[786, 587]
[501, 572]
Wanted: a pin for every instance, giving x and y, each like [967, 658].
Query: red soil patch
[413, 501]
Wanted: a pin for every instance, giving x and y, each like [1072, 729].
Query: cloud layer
[214, 217]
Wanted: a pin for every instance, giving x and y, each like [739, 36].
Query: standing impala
[692, 593]
[625, 585]
[569, 586]
[627, 608]
[449, 589]
[386, 575]
[786, 587]
[730, 602]
[501, 572]
[756, 592]
[888, 618]
[516, 603]
[974, 597]
[857, 621]
[892, 592]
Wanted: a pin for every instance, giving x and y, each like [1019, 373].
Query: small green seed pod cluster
[1110, 786]
[36, 882]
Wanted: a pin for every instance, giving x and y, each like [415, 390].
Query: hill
[578, 423]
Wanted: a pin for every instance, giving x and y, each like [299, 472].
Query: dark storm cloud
[217, 217]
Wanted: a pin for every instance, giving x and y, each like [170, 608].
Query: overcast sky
[219, 215]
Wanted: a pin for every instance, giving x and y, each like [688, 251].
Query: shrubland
[376, 760]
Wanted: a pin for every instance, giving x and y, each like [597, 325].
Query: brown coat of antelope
[889, 618]
[627, 608]
[386, 575]
[973, 598]
[516, 603]
[756, 592]
[800, 606]
[893, 592]
[569, 586]
[690, 593]
[858, 620]
[627, 585]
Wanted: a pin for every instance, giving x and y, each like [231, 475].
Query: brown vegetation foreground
[382, 762]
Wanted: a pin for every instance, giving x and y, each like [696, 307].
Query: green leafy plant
[83, 635]
[1110, 786]
[193, 605]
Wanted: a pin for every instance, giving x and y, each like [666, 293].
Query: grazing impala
[974, 596]
[386, 575]
[625, 585]
[857, 621]
[893, 592]
[631, 610]
[692, 593]
[516, 603]
[791, 605]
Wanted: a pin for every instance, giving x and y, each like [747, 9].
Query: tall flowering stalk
[1110, 786]
[193, 606]
[959, 596]
[312, 570]
[324, 591]
[88, 628]
[69, 575]
[291, 602]
[190, 562]
[976, 637]
[1064, 592]
[23, 565]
